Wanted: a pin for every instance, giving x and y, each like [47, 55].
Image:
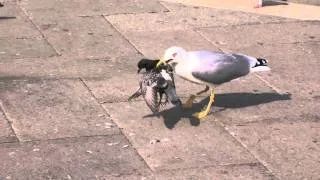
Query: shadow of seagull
[7, 17]
[274, 3]
[173, 115]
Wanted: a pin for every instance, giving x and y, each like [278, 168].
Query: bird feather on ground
[211, 69]
[155, 83]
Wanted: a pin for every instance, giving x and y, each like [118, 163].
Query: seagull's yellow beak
[161, 61]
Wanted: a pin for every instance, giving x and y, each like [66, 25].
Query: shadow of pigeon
[173, 115]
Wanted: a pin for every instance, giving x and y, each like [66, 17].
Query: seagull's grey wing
[221, 68]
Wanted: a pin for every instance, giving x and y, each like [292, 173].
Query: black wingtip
[261, 62]
[1, 5]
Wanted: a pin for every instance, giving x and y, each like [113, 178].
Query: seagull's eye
[169, 60]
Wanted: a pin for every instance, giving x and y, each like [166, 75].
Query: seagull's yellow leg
[205, 112]
[188, 103]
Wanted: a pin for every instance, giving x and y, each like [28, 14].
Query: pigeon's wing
[149, 91]
[151, 98]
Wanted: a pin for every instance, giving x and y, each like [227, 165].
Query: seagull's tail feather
[261, 65]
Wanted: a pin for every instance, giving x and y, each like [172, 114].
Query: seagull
[153, 81]
[209, 68]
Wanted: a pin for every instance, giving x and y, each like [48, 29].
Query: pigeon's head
[172, 56]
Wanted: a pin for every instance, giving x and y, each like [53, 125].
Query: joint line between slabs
[39, 30]
[120, 129]
[253, 24]
[122, 35]
[247, 149]
[162, 3]
[63, 138]
[269, 84]
[205, 38]
[10, 123]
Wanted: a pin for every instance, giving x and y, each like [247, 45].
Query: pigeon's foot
[189, 102]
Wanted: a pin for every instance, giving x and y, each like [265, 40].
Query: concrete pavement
[67, 68]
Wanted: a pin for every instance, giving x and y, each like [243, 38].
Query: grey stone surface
[176, 140]
[12, 48]
[47, 109]
[287, 146]
[95, 7]
[209, 17]
[255, 129]
[15, 24]
[252, 171]
[6, 133]
[153, 44]
[105, 157]
[62, 67]
[311, 2]
[237, 37]
[81, 36]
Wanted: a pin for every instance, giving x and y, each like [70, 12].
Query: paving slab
[151, 46]
[252, 171]
[176, 140]
[95, 7]
[106, 157]
[49, 109]
[67, 68]
[15, 24]
[258, 35]
[287, 146]
[281, 9]
[81, 36]
[13, 48]
[214, 17]
[6, 133]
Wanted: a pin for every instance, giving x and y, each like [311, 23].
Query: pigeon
[155, 83]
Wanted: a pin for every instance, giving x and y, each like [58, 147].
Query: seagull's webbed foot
[202, 114]
[189, 102]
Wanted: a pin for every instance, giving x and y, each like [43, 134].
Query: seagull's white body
[210, 68]
[185, 68]
[214, 68]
